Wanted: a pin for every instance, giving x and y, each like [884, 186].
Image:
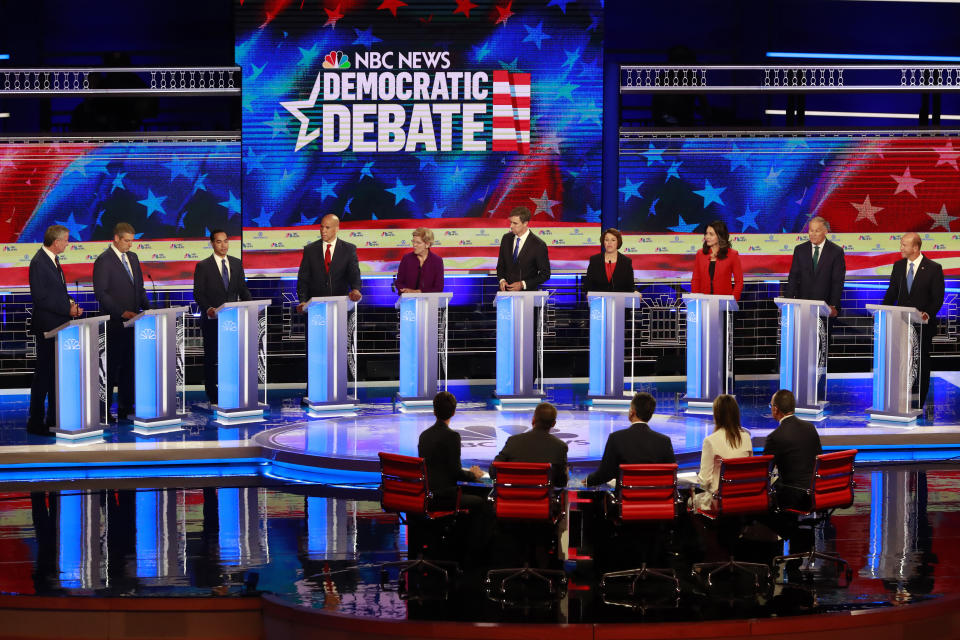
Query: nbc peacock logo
[336, 60]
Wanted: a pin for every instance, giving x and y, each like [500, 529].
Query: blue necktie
[126, 266]
[516, 249]
[910, 278]
[225, 273]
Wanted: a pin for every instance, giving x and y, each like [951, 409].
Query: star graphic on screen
[326, 189]
[252, 161]
[72, 224]
[401, 192]
[630, 189]
[591, 214]
[947, 155]
[286, 177]
[307, 56]
[941, 219]
[457, 177]
[332, 17]
[866, 211]
[367, 171]
[481, 52]
[263, 220]
[674, 170]
[793, 143]
[232, 204]
[305, 221]
[591, 69]
[560, 3]
[366, 38]
[590, 112]
[200, 184]
[653, 207]
[79, 165]
[771, 178]
[683, 226]
[296, 107]
[99, 222]
[181, 224]
[247, 98]
[572, 57]
[535, 34]
[509, 66]
[566, 90]
[654, 155]
[278, 124]
[906, 182]
[256, 72]
[749, 219]
[177, 168]
[710, 194]
[505, 12]
[594, 23]
[436, 212]
[464, 7]
[737, 158]
[391, 6]
[545, 204]
[346, 207]
[425, 161]
[117, 182]
[153, 203]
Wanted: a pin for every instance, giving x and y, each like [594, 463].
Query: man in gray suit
[538, 445]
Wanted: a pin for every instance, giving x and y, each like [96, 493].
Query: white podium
[607, 340]
[515, 341]
[896, 363]
[79, 392]
[327, 354]
[241, 336]
[157, 379]
[803, 352]
[419, 339]
[709, 348]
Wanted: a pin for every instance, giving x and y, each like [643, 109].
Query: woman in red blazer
[717, 269]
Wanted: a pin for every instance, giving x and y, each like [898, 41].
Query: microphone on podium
[153, 286]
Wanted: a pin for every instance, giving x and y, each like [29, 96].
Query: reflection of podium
[515, 340]
[78, 377]
[803, 352]
[419, 314]
[607, 331]
[327, 354]
[238, 363]
[155, 348]
[709, 347]
[896, 363]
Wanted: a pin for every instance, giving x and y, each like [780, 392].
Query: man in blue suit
[818, 268]
[118, 286]
[52, 307]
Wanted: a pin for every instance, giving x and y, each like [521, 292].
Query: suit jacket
[536, 445]
[927, 291]
[726, 269]
[795, 445]
[826, 283]
[431, 273]
[314, 281]
[439, 446]
[638, 444]
[596, 279]
[208, 289]
[532, 265]
[113, 288]
[51, 302]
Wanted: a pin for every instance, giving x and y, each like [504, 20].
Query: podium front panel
[145, 345]
[327, 351]
[418, 347]
[237, 358]
[515, 342]
[606, 345]
[70, 379]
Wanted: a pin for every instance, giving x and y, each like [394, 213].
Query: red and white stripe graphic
[511, 111]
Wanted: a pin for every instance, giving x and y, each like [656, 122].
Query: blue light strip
[861, 56]
[598, 340]
[147, 542]
[4, 56]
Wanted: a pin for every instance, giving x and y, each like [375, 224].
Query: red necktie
[326, 258]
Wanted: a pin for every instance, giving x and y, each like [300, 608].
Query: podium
[896, 363]
[803, 352]
[607, 330]
[709, 348]
[419, 315]
[515, 340]
[156, 345]
[327, 354]
[79, 392]
[239, 336]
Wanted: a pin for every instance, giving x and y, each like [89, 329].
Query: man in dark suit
[329, 267]
[52, 307]
[638, 444]
[439, 446]
[818, 268]
[538, 445]
[917, 281]
[118, 286]
[523, 263]
[216, 280]
[794, 445]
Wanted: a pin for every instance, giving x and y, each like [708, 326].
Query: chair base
[643, 573]
[810, 558]
[555, 580]
[731, 565]
[440, 568]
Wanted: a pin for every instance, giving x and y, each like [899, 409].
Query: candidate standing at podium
[118, 286]
[610, 270]
[329, 266]
[52, 307]
[523, 263]
[917, 281]
[818, 268]
[216, 280]
[421, 270]
[717, 269]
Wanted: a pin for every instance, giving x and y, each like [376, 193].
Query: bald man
[917, 281]
[818, 268]
[329, 266]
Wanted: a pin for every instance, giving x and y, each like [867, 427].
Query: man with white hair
[818, 268]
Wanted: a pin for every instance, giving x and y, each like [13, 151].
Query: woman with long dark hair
[728, 440]
[717, 268]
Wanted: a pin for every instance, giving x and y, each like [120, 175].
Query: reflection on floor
[326, 548]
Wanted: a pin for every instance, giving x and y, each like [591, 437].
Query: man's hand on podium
[300, 307]
[515, 286]
[75, 310]
[503, 285]
[408, 290]
[211, 313]
[477, 472]
[833, 311]
[126, 315]
[925, 316]
[355, 295]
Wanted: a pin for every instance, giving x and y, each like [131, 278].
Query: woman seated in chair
[728, 440]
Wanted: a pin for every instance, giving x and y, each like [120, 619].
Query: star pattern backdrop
[282, 45]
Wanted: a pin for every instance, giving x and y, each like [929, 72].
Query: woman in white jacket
[728, 440]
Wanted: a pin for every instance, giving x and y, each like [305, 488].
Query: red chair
[743, 489]
[831, 488]
[645, 493]
[523, 493]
